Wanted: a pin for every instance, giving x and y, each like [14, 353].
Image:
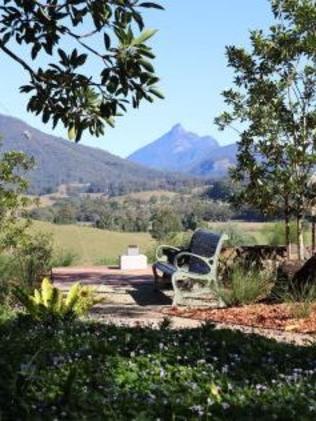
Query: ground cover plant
[83, 370]
[245, 286]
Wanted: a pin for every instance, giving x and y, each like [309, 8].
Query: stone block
[133, 262]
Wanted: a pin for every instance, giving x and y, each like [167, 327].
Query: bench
[192, 271]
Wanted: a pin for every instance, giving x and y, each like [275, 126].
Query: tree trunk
[287, 236]
[313, 235]
[300, 239]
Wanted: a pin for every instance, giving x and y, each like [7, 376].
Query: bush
[107, 261]
[275, 233]
[300, 301]
[237, 236]
[164, 223]
[245, 286]
[63, 258]
[32, 259]
[48, 303]
[6, 271]
[6, 313]
[180, 239]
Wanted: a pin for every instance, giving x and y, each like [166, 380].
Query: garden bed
[266, 316]
[89, 371]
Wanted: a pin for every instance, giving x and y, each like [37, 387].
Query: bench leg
[178, 296]
[156, 278]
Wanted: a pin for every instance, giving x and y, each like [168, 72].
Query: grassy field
[91, 245]
[94, 246]
[254, 229]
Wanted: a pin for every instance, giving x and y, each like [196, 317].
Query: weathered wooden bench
[192, 271]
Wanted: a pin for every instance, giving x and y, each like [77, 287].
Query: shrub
[6, 313]
[6, 270]
[32, 259]
[106, 261]
[245, 286]
[275, 233]
[237, 236]
[48, 303]
[300, 300]
[165, 221]
[63, 258]
[180, 239]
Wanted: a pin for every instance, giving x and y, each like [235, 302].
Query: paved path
[129, 299]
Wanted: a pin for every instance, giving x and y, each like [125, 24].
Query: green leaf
[72, 133]
[151, 5]
[157, 93]
[144, 36]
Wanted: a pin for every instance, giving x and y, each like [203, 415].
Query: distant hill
[186, 152]
[61, 162]
[218, 162]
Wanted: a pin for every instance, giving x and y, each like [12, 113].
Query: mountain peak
[179, 150]
[177, 129]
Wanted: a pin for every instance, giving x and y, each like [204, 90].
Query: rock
[285, 274]
[306, 275]
[261, 257]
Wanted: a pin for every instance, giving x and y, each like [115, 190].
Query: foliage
[6, 271]
[245, 286]
[107, 261]
[275, 235]
[62, 90]
[179, 239]
[32, 258]
[300, 301]
[274, 100]
[236, 235]
[13, 166]
[63, 258]
[64, 215]
[220, 190]
[131, 214]
[164, 223]
[48, 303]
[83, 371]
[6, 313]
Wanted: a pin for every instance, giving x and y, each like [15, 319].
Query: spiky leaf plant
[49, 303]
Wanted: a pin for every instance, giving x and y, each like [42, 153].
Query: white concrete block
[133, 262]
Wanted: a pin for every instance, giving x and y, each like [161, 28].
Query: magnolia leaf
[72, 133]
[144, 36]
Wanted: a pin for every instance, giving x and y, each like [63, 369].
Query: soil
[266, 316]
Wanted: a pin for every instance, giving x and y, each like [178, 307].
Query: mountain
[218, 162]
[186, 152]
[60, 162]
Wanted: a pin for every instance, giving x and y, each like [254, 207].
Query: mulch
[264, 316]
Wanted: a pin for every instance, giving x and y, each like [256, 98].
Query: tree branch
[18, 60]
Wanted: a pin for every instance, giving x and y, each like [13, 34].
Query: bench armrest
[205, 260]
[160, 250]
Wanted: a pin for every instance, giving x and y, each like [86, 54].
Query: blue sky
[190, 50]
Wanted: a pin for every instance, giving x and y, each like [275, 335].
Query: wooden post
[287, 231]
[300, 238]
[313, 234]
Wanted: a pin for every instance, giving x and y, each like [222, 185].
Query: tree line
[136, 215]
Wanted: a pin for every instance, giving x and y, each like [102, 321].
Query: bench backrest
[206, 244]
